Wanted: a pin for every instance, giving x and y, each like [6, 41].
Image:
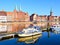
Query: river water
[47, 38]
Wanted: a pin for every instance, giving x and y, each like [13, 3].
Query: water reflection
[54, 39]
[47, 38]
[31, 39]
[57, 32]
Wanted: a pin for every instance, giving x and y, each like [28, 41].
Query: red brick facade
[18, 15]
[14, 17]
[24, 17]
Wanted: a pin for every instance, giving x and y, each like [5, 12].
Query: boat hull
[28, 35]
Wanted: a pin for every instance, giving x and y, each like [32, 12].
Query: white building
[3, 16]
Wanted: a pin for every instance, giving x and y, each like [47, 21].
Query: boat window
[21, 32]
[35, 27]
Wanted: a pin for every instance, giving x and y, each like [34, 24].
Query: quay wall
[18, 26]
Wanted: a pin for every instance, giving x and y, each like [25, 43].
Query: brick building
[46, 20]
[20, 16]
[15, 16]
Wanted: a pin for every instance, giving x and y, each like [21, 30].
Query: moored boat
[55, 28]
[30, 34]
[30, 31]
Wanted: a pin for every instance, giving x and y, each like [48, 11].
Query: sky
[40, 7]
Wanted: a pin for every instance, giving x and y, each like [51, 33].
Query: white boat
[30, 34]
[30, 31]
[55, 28]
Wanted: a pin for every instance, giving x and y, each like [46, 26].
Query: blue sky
[41, 7]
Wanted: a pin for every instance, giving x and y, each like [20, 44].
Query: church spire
[15, 8]
[20, 8]
[51, 13]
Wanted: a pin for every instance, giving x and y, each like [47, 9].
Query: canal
[47, 38]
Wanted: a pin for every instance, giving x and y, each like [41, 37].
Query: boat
[30, 34]
[30, 31]
[55, 28]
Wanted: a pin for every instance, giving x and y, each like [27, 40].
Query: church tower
[15, 10]
[51, 13]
